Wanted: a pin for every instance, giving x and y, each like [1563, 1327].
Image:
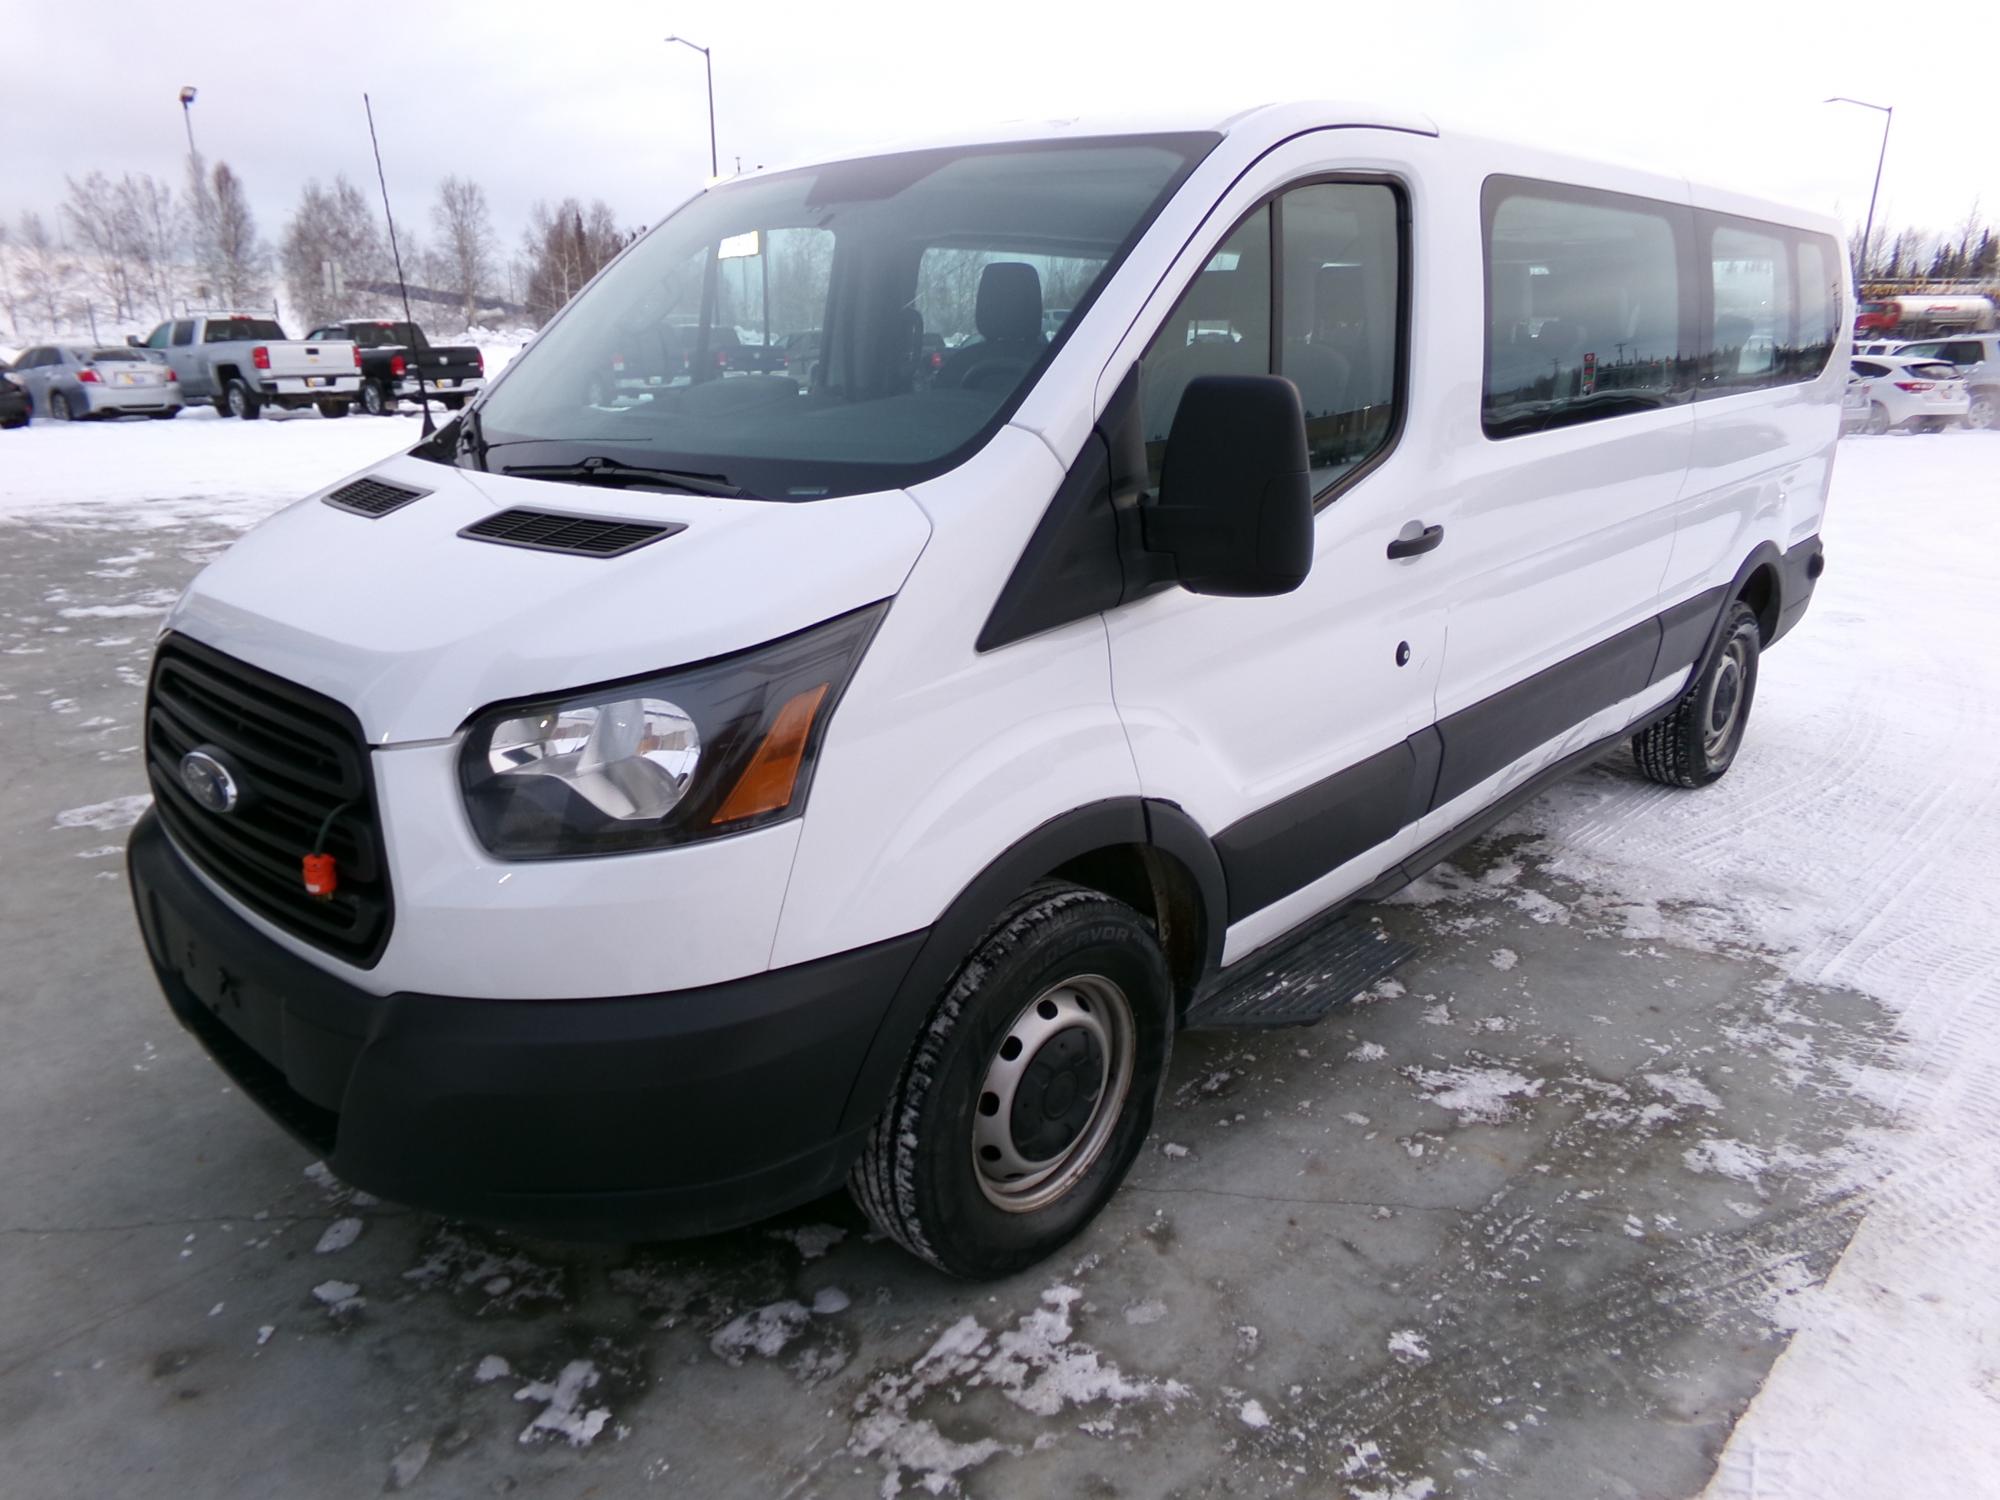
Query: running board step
[1327, 966]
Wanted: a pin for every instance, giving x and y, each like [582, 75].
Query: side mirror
[1234, 509]
[133, 341]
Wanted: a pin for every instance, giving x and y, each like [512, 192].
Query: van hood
[415, 628]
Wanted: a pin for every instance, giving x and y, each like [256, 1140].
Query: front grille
[373, 497]
[581, 536]
[303, 767]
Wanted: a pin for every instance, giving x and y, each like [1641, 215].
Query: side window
[1221, 326]
[1340, 303]
[1868, 369]
[157, 339]
[1583, 306]
[1819, 306]
[1962, 353]
[1751, 322]
[183, 333]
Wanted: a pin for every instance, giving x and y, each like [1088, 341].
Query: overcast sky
[538, 100]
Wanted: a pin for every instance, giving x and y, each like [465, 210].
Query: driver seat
[1008, 316]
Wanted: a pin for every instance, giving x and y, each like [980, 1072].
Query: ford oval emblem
[209, 781]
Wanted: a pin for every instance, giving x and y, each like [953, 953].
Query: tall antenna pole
[423, 390]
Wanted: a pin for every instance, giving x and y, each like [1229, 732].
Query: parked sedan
[13, 404]
[1918, 395]
[65, 381]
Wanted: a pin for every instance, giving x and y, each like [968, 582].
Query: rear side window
[1750, 322]
[1584, 303]
[184, 333]
[1820, 269]
[230, 330]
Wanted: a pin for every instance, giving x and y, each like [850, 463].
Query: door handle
[1417, 543]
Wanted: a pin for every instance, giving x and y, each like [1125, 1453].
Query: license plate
[316, 379]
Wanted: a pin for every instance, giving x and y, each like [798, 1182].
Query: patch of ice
[1252, 1414]
[112, 611]
[563, 1415]
[1173, 1150]
[264, 1333]
[811, 1240]
[119, 812]
[409, 1463]
[1478, 1096]
[1684, 1088]
[1408, 1344]
[340, 1296]
[1369, 1052]
[1504, 958]
[829, 1300]
[338, 1236]
[1152, 1310]
[492, 1367]
[763, 1331]
[1738, 1160]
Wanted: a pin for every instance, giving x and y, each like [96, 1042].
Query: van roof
[1258, 127]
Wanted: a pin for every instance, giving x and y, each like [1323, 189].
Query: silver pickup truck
[243, 363]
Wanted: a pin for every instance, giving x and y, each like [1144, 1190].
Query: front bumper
[671, 1114]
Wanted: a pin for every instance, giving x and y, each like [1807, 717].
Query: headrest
[1009, 309]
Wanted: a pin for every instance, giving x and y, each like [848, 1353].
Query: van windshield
[857, 326]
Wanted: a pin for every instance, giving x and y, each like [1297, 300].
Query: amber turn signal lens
[766, 783]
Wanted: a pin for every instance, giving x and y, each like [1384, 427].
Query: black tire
[59, 410]
[165, 416]
[452, 403]
[1069, 955]
[241, 402]
[375, 399]
[331, 409]
[1984, 414]
[1878, 419]
[1697, 742]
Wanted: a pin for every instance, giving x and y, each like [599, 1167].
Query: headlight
[700, 752]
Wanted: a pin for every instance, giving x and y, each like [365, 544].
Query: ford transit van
[689, 783]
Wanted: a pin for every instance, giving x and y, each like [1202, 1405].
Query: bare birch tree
[464, 232]
[242, 262]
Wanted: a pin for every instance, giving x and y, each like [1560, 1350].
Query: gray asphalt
[1520, 1223]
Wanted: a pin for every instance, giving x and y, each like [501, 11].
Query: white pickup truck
[243, 363]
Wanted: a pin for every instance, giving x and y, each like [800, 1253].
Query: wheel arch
[1149, 854]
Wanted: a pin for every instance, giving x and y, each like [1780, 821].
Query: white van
[651, 804]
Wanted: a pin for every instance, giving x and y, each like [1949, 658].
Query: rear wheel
[1030, 1089]
[452, 403]
[1697, 742]
[331, 409]
[375, 398]
[242, 401]
[59, 407]
[1878, 419]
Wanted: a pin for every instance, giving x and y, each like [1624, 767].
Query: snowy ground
[1535, 1219]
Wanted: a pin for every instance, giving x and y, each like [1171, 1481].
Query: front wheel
[1697, 742]
[1984, 413]
[1029, 1091]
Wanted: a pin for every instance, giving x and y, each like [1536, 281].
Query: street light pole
[187, 116]
[708, 66]
[1888, 113]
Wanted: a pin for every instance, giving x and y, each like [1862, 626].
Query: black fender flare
[1107, 824]
[1763, 555]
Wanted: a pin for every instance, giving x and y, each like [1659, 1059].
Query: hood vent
[579, 536]
[373, 498]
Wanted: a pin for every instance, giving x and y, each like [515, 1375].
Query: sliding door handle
[1415, 542]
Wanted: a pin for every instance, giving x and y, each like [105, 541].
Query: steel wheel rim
[1722, 704]
[1060, 1028]
[371, 398]
[236, 401]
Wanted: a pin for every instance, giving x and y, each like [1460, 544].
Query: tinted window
[184, 332]
[1341, 308]
[758, 256]
[1584, 304]
[1820, 269]
[231, 330]
[157, 339]
[1868, 368]
[1221, 326]
[102, 356]
[1750, 327]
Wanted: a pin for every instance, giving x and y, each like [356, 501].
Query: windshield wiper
[630, 476]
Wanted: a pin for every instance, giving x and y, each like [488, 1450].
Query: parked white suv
[1907, 394]
[1976, 358]
[636, 818]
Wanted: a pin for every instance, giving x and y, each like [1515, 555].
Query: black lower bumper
[640, 1116]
